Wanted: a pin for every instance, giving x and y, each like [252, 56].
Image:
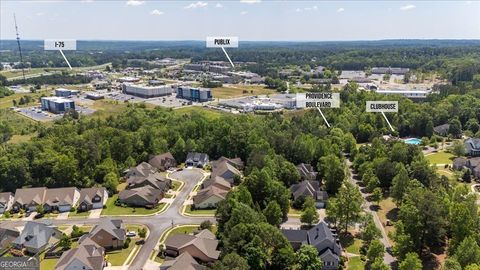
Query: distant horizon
[299, 41]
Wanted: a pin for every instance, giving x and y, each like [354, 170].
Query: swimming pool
[415, 141]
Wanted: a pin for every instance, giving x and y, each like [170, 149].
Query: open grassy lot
[48, 263]
[294, 212]
[113, 210]
[355, 263]
[200, 212]
[209, 113]
[18, 73]
[387, 211]
[105, 108]
[440, 158]
[240, 90]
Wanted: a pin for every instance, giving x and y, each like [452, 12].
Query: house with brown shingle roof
[235, 162]
[108, 233]
[61, 199]
[202, 246]
[225, 170]
[89, 255]
[155, 180]
[92, 198]
[218, 182]
[183, 262]
[6, 201]
[145, 196]
[163, 161]
[209, 197]
[143, 169]
[28, 198]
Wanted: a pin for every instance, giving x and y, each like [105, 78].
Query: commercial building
[196, 67]
[57, 104]
[195, 94]
[62, 92]
[412, 94]
[219, 69]
[390, 70]
[148, 91]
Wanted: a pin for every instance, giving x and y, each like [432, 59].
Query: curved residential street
[158, 223]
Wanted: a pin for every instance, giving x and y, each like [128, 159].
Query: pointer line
[65, 59]
[388, 122]
[324, 119]
[228, 56]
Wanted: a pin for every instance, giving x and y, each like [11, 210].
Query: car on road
[131, 234]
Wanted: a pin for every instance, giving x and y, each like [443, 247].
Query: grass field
[176, 185]
[18, 73]
[440, 158]
[118, 257]
[187, 229]
[105, 108]
[239, 91]
[78, 214]
[113, 210]
[355, 263]
[200, 212]
[294, 212]
[209, 113]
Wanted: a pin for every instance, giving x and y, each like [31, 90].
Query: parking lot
[36, 113]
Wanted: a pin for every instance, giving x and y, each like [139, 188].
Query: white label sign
[318, 100]
[382, 106]
[219, 42]
[60, 44]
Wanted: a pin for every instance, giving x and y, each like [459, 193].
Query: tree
[306, 258]
[273, 213]
[231, 261]
[379, 265]
[468, 252]
[283, 259]
[375, 251]
[333, 172]
[411, 262]
[39, 209]
[142, 232]
[377, 195]
[65, 242]
[206, 225]
[457, 148]
[110, 182]
[347, 206]
[76, 232]
[399, 183]
[451, 264]
[309, 213]
[455, 128]
[5, 132]
[370, 231]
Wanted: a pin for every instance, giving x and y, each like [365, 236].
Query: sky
[250, 20]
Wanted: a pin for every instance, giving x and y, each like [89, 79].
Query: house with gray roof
[459, 163]
[202, 246]
[154, 180]
[442, 130]
[108, 233]
[6, 201]
[226, 170]
[472, 146]
[209, 197]
[8, 233]
[199, 160]
[306, 171]
[218, 182]
[28, 198]
[312, 189]
[88, 255]
[36, 237]
[61, 199]
[143, 169]
[235, 162]
[92, 198]
[322, 238]
[163, 161]
[145, 196]
[183, 262]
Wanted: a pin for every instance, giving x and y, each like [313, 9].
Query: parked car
[131, 234]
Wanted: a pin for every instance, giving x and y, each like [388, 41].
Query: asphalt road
[388, 258]
[157, 224]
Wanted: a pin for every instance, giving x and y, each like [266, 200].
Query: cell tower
[19, 47]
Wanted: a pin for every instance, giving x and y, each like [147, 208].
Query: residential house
[459, 163]
[235, 162]
[474, 165]
[225, 170]
[61, 199]
[218, 182]
[312, 189]
[199, 160]
[28, 198]
[472, 146]
[6, 201]
[145, 196]
[209, 197]
[202, 246]
[322, 238]
[442, 130]
[306, 171]
[92, 198]
[143, 169]
[8, 233]
[89, 255]
[163, 162]
[183, 262]
[36, 237]
[108, 233]
[155, 180]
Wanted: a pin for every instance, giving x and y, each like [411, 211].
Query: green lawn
[113, 210]
[118, 257]
[240, 90]
[200, 212]
[176, 185]
[440, 158]
[294, 212]
[48, 263]
[187, 229]
[209, 113]
[355, 263]
[79, 214]
[355, 247]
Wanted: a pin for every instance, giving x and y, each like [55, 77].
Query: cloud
[87, 1]
[298, 10]
[306, 9]
[40, 13]
[218, 5]
[134, 3]
[157, 12]
[407, 7]
[244, 13]
[198, 4]
[250, 1]
[340, 10]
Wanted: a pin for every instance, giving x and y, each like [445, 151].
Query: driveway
[63, 215]
[95, 213]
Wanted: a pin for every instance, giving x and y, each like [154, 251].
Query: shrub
[126, 244]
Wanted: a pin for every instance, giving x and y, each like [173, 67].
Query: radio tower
[19, 48]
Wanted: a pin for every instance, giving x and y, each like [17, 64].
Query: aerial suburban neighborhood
[239, 135]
